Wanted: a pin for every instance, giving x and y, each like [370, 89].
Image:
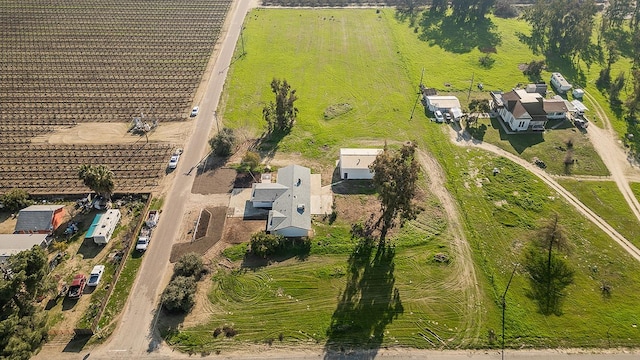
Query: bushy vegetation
[15, 200]
[251, 163]
[23, 323]
[98, 178]
[179, 295]
[189, 265]
[223, 143]
[265, 245]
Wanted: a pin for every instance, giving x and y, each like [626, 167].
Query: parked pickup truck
[152, 219]
[143, 239]
[77, 286]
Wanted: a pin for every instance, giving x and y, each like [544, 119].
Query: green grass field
[604, 198]
[550, 147]
[345, 294]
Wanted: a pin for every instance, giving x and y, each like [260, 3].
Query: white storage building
[11, 244]
[354, 163]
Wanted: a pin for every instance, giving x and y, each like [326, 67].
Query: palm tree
[98, 178]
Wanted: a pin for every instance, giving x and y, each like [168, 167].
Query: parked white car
[96, 275]
[439, 116]
[195, 111]
[143, 244]
[173, 162]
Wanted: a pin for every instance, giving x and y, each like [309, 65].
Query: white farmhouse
[354, 163]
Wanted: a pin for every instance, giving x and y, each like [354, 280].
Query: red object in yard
[77, 286]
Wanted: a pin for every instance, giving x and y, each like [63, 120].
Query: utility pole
[419, 94]
[242, 40]
[215, 117]
[470, 85]
[504, 304]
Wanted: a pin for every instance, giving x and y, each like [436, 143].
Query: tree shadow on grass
[368, 304]
[165, 325]
[458, 36]
[269, 143]
[519, 142]
[298, 248]
[478, 131]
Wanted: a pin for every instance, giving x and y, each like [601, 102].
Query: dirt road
[464, 274]
[462, 138]
[606, 145]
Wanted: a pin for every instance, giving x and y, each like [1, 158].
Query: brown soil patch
[203, 224]
[239, 231]
[114, 133]
[356, 208]
[217, 181]
[202, 245]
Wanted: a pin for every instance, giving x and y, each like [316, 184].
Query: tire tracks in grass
[463, 139]
[464, 276]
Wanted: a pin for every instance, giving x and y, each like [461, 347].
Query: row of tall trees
[565, 28]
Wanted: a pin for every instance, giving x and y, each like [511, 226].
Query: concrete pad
[321, 197]
[240, 205]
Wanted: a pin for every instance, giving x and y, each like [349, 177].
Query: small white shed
[444, 103]
[354, 163]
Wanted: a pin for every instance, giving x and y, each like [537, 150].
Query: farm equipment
[141, 127]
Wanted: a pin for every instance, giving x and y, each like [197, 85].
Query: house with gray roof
[289, 199]
[264, 194]
[39, 219]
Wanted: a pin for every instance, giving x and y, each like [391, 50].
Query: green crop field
[362, 296]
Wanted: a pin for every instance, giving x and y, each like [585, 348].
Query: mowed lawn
[342, 293]
[330, 57]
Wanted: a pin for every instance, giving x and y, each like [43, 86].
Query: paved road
[135, 335]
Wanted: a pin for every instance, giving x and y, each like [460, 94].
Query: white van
[439, 117]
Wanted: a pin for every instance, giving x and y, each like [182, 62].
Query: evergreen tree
[395, 178]
[281, 114]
